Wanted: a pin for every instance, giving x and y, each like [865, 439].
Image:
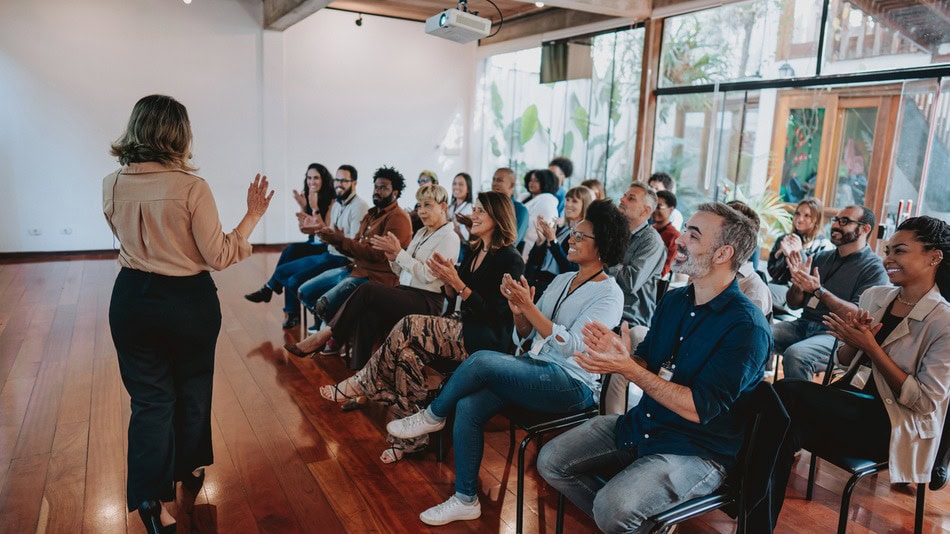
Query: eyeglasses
[844, 221]
[342, 181]
[579, 236]
[423, 181]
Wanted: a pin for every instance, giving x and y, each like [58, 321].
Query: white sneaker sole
[439, 522]
[395, 430]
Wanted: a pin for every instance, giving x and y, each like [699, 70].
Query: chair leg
[812, 467]
[919, 513]
[846, 503]
[559, 524]
[519, 522]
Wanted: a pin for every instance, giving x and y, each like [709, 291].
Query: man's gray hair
[738, 231]
[649, 195]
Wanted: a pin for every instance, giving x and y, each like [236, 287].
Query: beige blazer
[920, 346]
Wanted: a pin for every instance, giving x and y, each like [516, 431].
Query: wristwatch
[819, 292]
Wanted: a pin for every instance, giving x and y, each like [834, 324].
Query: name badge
[861, 377]
[405, 277]
[813, 302]
[665, 374]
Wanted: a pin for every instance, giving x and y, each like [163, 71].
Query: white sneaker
[451, 510]
[413, 426]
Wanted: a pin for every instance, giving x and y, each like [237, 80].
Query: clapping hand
[258, 199]
[809, 283]
[444, 269]
[309, 224]
[857, 330]
[464, 220]
[388, 243]
[331, 236]
[301, 200]
[520, 295]
[791, 245]
[606, 351]
[545, 230]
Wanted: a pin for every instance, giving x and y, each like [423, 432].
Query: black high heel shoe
[151, 514]
[190, 488]
[194, 483]
[292, 348]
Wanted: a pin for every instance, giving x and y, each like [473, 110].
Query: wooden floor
[286, 460]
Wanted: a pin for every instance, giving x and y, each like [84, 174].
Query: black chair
[861, 467]
[745, 495]
[536, 425]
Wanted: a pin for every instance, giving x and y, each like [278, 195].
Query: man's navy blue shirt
[721, 357]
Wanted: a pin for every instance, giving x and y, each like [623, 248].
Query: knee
[613, 513]
[551, 464]
[468, 410]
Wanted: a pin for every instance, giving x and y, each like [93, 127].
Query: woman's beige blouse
[167, 222]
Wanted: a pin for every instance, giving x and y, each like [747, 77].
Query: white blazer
[920, 346]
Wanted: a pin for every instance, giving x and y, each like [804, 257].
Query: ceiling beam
[282, 14]
[632, 9]
[549, 20]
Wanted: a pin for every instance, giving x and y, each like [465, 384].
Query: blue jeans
[326, 306]
[804, 345]
[619, 489]
[487, 382]
[291, 276]
[293, 252]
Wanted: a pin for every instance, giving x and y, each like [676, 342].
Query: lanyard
[678, 342]
[423, 241]
[565, 293]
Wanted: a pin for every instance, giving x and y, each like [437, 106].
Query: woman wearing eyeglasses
[548, 257]
[396, 375]
[546, 378]
[892, 403]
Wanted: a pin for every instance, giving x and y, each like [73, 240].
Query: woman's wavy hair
[499, 208]
[325, 195]
[934, 234]
[158, 131]
[817, 215]
[611, 233]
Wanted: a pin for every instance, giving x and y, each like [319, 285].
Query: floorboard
[286, 460]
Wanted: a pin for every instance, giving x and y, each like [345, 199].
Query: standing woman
[892, 403]
[165, 314]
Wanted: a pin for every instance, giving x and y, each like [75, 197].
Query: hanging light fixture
[786, 71]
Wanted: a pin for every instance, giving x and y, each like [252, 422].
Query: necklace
[904, 302]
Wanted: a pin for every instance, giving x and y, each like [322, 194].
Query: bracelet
[460, 291]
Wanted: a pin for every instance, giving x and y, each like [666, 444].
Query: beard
[841, 237]
[342, 193]
[382, 202]
[692, 266]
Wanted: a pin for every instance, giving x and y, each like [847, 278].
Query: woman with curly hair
[892, 403]
[546, 378]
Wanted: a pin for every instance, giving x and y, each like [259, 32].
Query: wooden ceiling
[422, 9]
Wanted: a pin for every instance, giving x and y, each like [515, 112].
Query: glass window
[863, 35]
[936, 198]
[757, 39]
[681, 144]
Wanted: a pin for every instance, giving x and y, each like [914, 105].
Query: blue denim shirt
[722, 357]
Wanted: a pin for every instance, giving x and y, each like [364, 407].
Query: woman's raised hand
[545, 230]
[444, 269]
[258, 199]
[301, 200]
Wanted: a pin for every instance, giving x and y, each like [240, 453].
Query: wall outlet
[35, 232]
[67, 231]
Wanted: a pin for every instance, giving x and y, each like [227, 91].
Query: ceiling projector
[458, 26]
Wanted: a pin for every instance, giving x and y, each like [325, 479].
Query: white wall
[323, 91]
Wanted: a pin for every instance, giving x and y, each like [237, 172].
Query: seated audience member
[830, 281]
[640, 270]
[562, 168]
[661, 181]
[597, 187]
[373, 309]
[892, 403]
[665, 204]
[346, 214]
[324, 294]
[750, 283]
[396, 375]
[461, 204]
[544, 379]
[503, 181]
[706, 349]
[806, 239]
[548, 257]
[426, 177]
[315, 201]
[541, 202]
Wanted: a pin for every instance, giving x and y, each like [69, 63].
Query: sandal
[332, 392]
[391, 454]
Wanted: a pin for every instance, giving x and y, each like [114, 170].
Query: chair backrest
[766, 424]
[830, 368]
